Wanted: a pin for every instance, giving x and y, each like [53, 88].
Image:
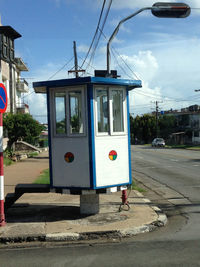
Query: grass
[33, 154]
[134, 186]
[7, 161]
[184, 147]
[43, 178]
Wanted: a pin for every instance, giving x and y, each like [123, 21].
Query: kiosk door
[69, 142]
[111, 141]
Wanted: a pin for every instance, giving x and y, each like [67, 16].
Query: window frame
[66, 91]
[110, 110]
[96, 111]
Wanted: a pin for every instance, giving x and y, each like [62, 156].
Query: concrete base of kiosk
[89, 204]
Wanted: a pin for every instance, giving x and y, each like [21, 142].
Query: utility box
[89, 132]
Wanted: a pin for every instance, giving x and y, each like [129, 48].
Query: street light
[161, 10]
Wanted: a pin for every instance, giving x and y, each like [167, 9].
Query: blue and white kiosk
[89, 136]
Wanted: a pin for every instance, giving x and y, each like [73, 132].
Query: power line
[95, 33]
[112, 48]
[60, 69]
[102, 27]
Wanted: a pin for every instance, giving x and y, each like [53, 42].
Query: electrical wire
[60, 69]
[96, 31]
[113, 49]
[102, 27]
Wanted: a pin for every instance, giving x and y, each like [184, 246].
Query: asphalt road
[172, 180]
[174, 177]
[176, 168]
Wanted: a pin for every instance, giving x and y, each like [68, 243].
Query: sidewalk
[55, 217]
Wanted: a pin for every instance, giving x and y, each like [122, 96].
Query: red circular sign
[112, 155]
[3, 98]
[69, 157]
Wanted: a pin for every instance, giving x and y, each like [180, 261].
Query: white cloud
[83, 48]
[37, 102]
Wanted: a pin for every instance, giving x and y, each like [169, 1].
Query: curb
[96, 235]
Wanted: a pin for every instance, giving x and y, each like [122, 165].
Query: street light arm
[115, 33]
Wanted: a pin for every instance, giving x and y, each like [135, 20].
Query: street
[172, 182]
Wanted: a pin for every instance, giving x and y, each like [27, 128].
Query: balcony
[22, 86]
[20, 64]
[22, 108]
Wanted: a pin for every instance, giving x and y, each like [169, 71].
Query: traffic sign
[3, 98]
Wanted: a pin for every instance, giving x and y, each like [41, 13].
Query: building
[10, 71]
[188, 123]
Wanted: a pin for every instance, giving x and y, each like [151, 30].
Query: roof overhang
[9, 31]
[42, 87]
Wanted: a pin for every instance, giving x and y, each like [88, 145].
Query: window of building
[110, 108]
[117, 110]
[102, 111]
[60, 113]
[69, 112]
[75, 116]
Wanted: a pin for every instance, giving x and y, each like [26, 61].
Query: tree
[21, 126]
[167, 125]
[143, 128]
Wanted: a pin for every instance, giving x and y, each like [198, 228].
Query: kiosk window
[60, 113]
[76, 120]
[102, 111]
[117, 108]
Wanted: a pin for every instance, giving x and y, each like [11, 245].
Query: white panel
[1, 187]
[1, 138]
[110, 172]
[76, 173]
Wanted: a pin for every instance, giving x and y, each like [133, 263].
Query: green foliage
[167, 125]
[134, 186]
[21, 126]
[143, 128]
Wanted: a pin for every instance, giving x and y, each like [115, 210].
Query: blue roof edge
[131, 84]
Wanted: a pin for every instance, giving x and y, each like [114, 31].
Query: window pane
[117, 100]
[102, 111]
[60, 113]
[75, 104]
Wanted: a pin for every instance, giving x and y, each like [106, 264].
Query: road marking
[196, 165]
[175, 160]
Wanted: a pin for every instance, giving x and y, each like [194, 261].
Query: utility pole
[75, 60]
[157, 109]
[76, 70]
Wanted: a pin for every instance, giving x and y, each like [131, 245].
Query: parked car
[158, 142]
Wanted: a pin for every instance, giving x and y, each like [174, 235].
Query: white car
[159, 142]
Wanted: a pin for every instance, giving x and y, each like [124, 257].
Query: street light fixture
[161, 10]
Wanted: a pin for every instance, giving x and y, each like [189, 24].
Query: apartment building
[10, 71]
[188, 123]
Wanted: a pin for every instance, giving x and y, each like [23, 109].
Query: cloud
[37, 102]
[83, 48]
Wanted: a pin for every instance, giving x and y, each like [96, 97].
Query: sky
[163, 53]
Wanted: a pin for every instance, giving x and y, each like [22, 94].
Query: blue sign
[3, 98]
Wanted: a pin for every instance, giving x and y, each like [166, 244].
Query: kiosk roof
[41, 87]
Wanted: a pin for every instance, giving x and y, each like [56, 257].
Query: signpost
[3, 106]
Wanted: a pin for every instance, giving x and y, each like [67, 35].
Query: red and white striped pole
[2, 214]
